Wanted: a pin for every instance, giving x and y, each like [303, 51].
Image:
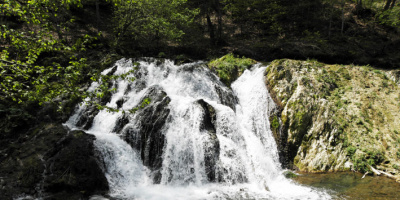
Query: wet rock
[86, 120]
[147, 136]
[226, 96]
[119, 103]
[209, 116]
[211, 146]
[50, 155]
[73, 168]
[112, 71]
[121, 122]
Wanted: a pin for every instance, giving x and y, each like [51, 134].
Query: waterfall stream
[197, 139]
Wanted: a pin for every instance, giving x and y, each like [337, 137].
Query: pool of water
[348, 185]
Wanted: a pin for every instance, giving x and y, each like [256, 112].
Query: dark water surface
[347, 185]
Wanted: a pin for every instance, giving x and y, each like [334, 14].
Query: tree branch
[12, 63]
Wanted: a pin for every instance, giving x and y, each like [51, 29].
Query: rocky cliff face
[335, 117]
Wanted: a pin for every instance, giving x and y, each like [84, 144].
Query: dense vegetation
[50, 48]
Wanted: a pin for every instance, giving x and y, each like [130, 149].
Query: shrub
[351, 150]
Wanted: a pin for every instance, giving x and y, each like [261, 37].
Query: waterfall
[197, 139]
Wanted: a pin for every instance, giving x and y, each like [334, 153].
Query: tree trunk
[387, 5]
[393, 3]
[210, 29]
[219, 31]
[97, 14]
[330, 19]
[341, 30]
[219, 18]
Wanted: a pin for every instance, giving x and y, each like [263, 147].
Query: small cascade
[196, 139]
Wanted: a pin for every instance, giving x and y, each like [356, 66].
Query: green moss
[351, 150]
[144, 103]
[78, 134]
[398, 153]
[301, 121]
[343, 72]
[298, 164]
[275, 122]
[289, 174]
[229, 67]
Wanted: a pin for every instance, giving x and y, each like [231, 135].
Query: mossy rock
[289, 174]
[328, 108]
[230, 67]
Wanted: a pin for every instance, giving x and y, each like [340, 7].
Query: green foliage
[351, 151]
[390, 17]
[378, 71]
[229, 67]
[360, 165]
[398, 153]
[301, 118]
[375, 157]
[260, 14]
[12, 117]
[151, 22]
[144, 103]
[362, 160]
[275, 122]
[23, 77]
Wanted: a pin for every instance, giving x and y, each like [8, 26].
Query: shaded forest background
[51, 48]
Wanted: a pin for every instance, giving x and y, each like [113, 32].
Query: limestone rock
[334, 115]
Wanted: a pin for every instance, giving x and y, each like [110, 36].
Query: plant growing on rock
[230, 67]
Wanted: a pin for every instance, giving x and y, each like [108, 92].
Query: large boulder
[50, 161]
[72, 168]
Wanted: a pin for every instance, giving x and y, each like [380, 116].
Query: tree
[148, 22]
[29, 31]
[389, 4]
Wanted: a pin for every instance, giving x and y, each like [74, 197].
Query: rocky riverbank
[336, 117]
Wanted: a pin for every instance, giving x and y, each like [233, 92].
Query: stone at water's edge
[73, 167]
[50, 161]
[336, 117]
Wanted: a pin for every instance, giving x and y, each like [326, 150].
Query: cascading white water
[246, 164]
